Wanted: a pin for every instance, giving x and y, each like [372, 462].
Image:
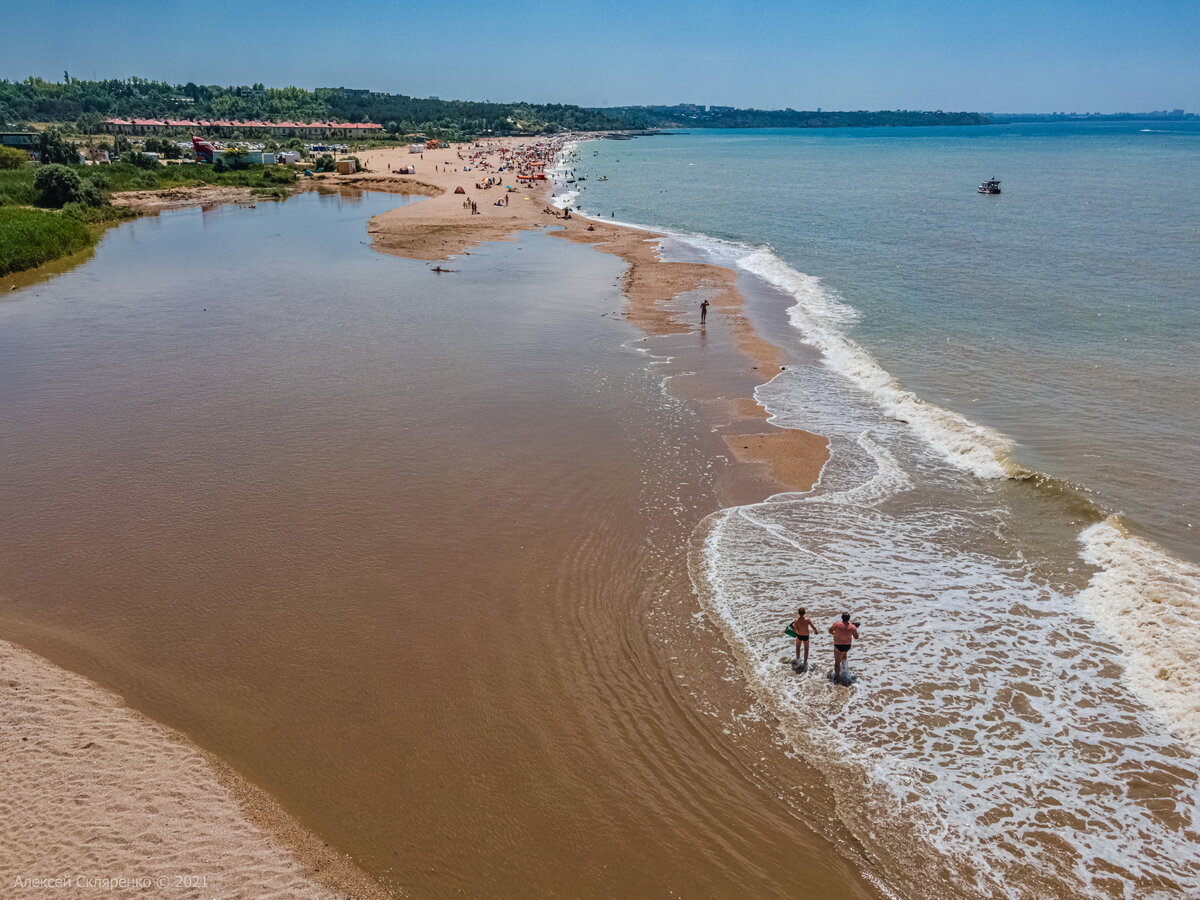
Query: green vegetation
[139, 160]
[17, 187]
[131, 176]
[105, 214]
[164, 148]
[85, 104]
[271, 193]
[55, 149]
[30, 237]
[12, 158]
[58, 185]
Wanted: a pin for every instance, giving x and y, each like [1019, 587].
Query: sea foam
[992, 729]
[1150, 602]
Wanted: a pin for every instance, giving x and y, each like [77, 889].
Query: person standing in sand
[703, 311]
[844, 633]
[801, 628]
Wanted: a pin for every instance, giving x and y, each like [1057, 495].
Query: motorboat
[991, 186]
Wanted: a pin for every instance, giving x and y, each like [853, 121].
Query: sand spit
[173, 198]
[91, 790]
[446, 225]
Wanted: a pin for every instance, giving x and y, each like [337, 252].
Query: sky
[961, 55]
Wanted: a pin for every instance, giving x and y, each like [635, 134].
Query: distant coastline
[85, 104]
[688, 115]
[1158, 115]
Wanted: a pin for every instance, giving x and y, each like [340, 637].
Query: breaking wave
[992, 730]
[997, 732]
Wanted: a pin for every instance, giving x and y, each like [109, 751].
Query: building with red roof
[278, 129]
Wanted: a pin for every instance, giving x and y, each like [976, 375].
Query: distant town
[1155, 115]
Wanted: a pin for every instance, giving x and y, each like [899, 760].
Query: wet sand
[573, 680]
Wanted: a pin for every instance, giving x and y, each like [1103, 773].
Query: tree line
[85, 104]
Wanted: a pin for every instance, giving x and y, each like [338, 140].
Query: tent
[459, 190]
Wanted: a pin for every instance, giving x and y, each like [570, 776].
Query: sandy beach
[444, 226]
[97, 797]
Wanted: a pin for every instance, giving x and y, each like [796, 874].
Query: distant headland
[690, 115]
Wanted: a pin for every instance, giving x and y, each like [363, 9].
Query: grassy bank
[17, 187]
[30, 237]
[126, 177]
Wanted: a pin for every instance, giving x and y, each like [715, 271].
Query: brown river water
[409, 551]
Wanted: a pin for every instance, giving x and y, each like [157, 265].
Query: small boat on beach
[991, 186]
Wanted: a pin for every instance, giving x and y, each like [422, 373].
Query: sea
[1010, 385]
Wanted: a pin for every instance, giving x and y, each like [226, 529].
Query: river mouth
[408, 550]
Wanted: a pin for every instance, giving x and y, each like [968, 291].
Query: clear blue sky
[998, 56]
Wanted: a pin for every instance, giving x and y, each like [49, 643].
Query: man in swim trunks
[844, 633]
[802, 627]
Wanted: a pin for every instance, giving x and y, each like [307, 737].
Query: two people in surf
[844, 634]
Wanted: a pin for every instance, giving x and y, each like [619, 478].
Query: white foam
[991, 729]
[821, 318]
[1150, 602]
[558, 175]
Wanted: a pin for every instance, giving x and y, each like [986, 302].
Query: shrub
[140, 160]
[97, 215]
[57, 184]
[12, 158]
[98, 175]
[166, 149]
[30, 237]
[55, 150]
[278, 192]
[279, 175]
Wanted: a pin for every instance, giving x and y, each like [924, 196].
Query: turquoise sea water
[1064, 312]
[1011, 388]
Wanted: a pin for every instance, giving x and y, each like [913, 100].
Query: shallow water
[408, 550]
